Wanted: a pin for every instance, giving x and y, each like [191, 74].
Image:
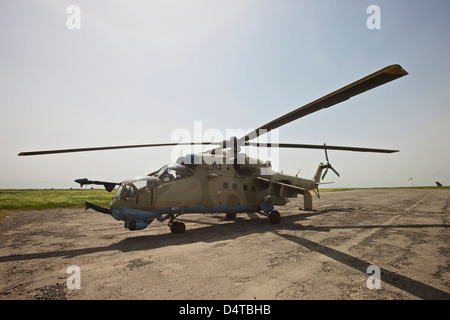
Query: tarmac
[360, 244]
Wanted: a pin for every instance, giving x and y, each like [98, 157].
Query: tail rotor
[328, 165]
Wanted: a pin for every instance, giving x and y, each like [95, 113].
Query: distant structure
[438, 184]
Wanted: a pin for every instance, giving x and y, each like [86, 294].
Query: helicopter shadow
[239, 227]
[209, 233]
[215, 232]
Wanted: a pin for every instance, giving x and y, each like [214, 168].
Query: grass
[40, 199]
[37, 199]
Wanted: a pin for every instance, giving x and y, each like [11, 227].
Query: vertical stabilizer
[318, 173]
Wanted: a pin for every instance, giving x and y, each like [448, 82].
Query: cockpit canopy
[167, 173]
[172, 172]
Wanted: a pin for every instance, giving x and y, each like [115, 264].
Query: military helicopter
[224, 180]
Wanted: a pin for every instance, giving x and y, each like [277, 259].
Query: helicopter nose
[114, 203]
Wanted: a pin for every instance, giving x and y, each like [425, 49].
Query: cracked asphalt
[320, 254]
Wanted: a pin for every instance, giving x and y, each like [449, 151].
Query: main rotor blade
[36, 153]
[319, 146]
[326, 153]
[371, 81]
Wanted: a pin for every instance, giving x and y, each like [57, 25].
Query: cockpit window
[119, 191]
[160, 171]
[144, 183]
[125, 192]
[128, 192]
[173, 172]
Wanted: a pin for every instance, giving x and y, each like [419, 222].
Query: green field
[40, 199]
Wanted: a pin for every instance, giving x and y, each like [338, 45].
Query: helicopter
[223, 179]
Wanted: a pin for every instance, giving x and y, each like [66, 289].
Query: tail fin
[318, 173]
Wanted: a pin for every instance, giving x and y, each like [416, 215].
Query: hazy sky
[136, 71]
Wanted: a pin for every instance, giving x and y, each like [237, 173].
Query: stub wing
[109, 186]
[282, 189]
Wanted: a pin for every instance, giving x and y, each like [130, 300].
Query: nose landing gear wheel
[274, 217]
[177, 227]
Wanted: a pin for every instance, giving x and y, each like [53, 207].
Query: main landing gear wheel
[177, 227]
[230, 216]
[274, 217]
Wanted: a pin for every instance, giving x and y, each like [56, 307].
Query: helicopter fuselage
[216, 185]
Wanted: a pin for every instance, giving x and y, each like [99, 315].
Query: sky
[135, 72]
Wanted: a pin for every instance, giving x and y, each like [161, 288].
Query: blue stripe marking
[144, 218]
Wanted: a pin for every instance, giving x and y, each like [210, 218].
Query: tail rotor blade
[329, 166]
[325, 173]
[334, 171]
